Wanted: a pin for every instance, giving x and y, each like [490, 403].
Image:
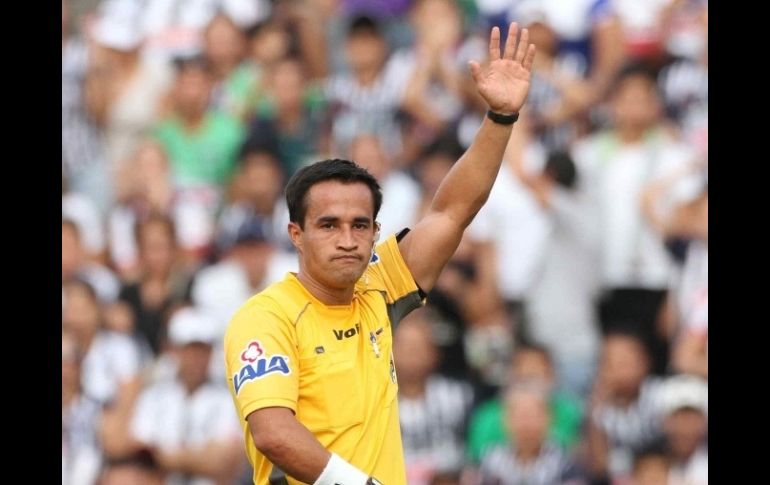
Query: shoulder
[281, 302]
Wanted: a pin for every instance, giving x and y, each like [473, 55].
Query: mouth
[347, 258]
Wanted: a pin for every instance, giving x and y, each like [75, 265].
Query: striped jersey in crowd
[500, 466]
[433, 428]
[631, 428]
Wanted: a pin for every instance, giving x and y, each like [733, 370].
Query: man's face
[635, 103]
[224, 43]
[194, 363]
[413, 349]
[367, 153]
[624, 365]
[260, 178]
[531, 365]
[365, 52]
[336, 243]
[192, 90]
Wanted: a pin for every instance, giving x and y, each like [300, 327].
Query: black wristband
[502, 119]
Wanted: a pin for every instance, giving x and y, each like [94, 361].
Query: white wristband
[340, 472]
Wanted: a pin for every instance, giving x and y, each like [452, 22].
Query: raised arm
[504, 85]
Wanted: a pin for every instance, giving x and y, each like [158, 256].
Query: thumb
[475, 70]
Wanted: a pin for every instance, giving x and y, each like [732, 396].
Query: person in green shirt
[487, 427]
[202, 144]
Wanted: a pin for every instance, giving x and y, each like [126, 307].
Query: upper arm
[261, 360]
[428, 247]
[269, 422]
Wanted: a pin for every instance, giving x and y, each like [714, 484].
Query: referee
[309, 360]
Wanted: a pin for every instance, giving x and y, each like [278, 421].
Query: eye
[327, 225]
[360, 225]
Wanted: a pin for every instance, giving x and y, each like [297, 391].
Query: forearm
[466, 187]
[289, 445]
[218, 461]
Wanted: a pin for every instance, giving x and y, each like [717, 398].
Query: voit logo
[257, 364]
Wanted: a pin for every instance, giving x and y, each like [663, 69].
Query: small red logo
[252, 352]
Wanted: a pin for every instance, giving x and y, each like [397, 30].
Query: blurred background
[565, 342]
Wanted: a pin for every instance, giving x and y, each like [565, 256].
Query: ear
[295, 234]
[376, 232]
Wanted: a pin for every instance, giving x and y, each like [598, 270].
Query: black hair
[195, 61]
[344, 171]
[363, 25]
[530, 346]
[633, 69]
[561, 168]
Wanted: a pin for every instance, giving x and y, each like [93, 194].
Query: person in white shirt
[615, 165]
[188, 423]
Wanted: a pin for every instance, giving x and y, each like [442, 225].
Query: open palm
[504, 83]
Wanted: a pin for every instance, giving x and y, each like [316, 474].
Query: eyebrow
[335, 219]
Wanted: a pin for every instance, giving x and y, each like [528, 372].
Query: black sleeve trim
[399, 236]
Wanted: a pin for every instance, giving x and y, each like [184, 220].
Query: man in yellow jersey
[309, 360]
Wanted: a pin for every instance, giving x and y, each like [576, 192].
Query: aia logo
[257, 364]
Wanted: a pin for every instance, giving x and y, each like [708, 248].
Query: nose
[347, 240]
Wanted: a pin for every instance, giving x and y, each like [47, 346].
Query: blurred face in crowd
[225, 44]
[685, 429]
[270, 44]
[254, 257]
[366, 151]
[528, 418]
[81, 313]
[635, 103]
[366, 52]
[261, 180]
[651, 470]
[432, 171]
[194, 363]
[71, 250]
[70, 363]
[624, 366]
[531, 365]
[288, 86]
[336, 238]
[157, 246]
[543, 36]
[437, 23]
[192, 91]
[413, 349]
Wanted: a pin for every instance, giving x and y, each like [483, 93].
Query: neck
[527, 453]
[326, 295]
[191, 387]
[631, 134]
[192, 122]
[367, 77]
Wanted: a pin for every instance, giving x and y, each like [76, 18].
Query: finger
[523, 45]
[475, 70]
[529, 58]
[494, 44]
[510, 42]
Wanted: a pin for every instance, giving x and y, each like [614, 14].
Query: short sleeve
[261, 360]
[389, 269]
[142, 426]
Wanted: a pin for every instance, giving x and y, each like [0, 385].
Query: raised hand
[504, 83]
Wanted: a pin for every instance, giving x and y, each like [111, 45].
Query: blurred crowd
[566, 342]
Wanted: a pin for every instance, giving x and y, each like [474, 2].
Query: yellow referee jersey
[332, 365]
